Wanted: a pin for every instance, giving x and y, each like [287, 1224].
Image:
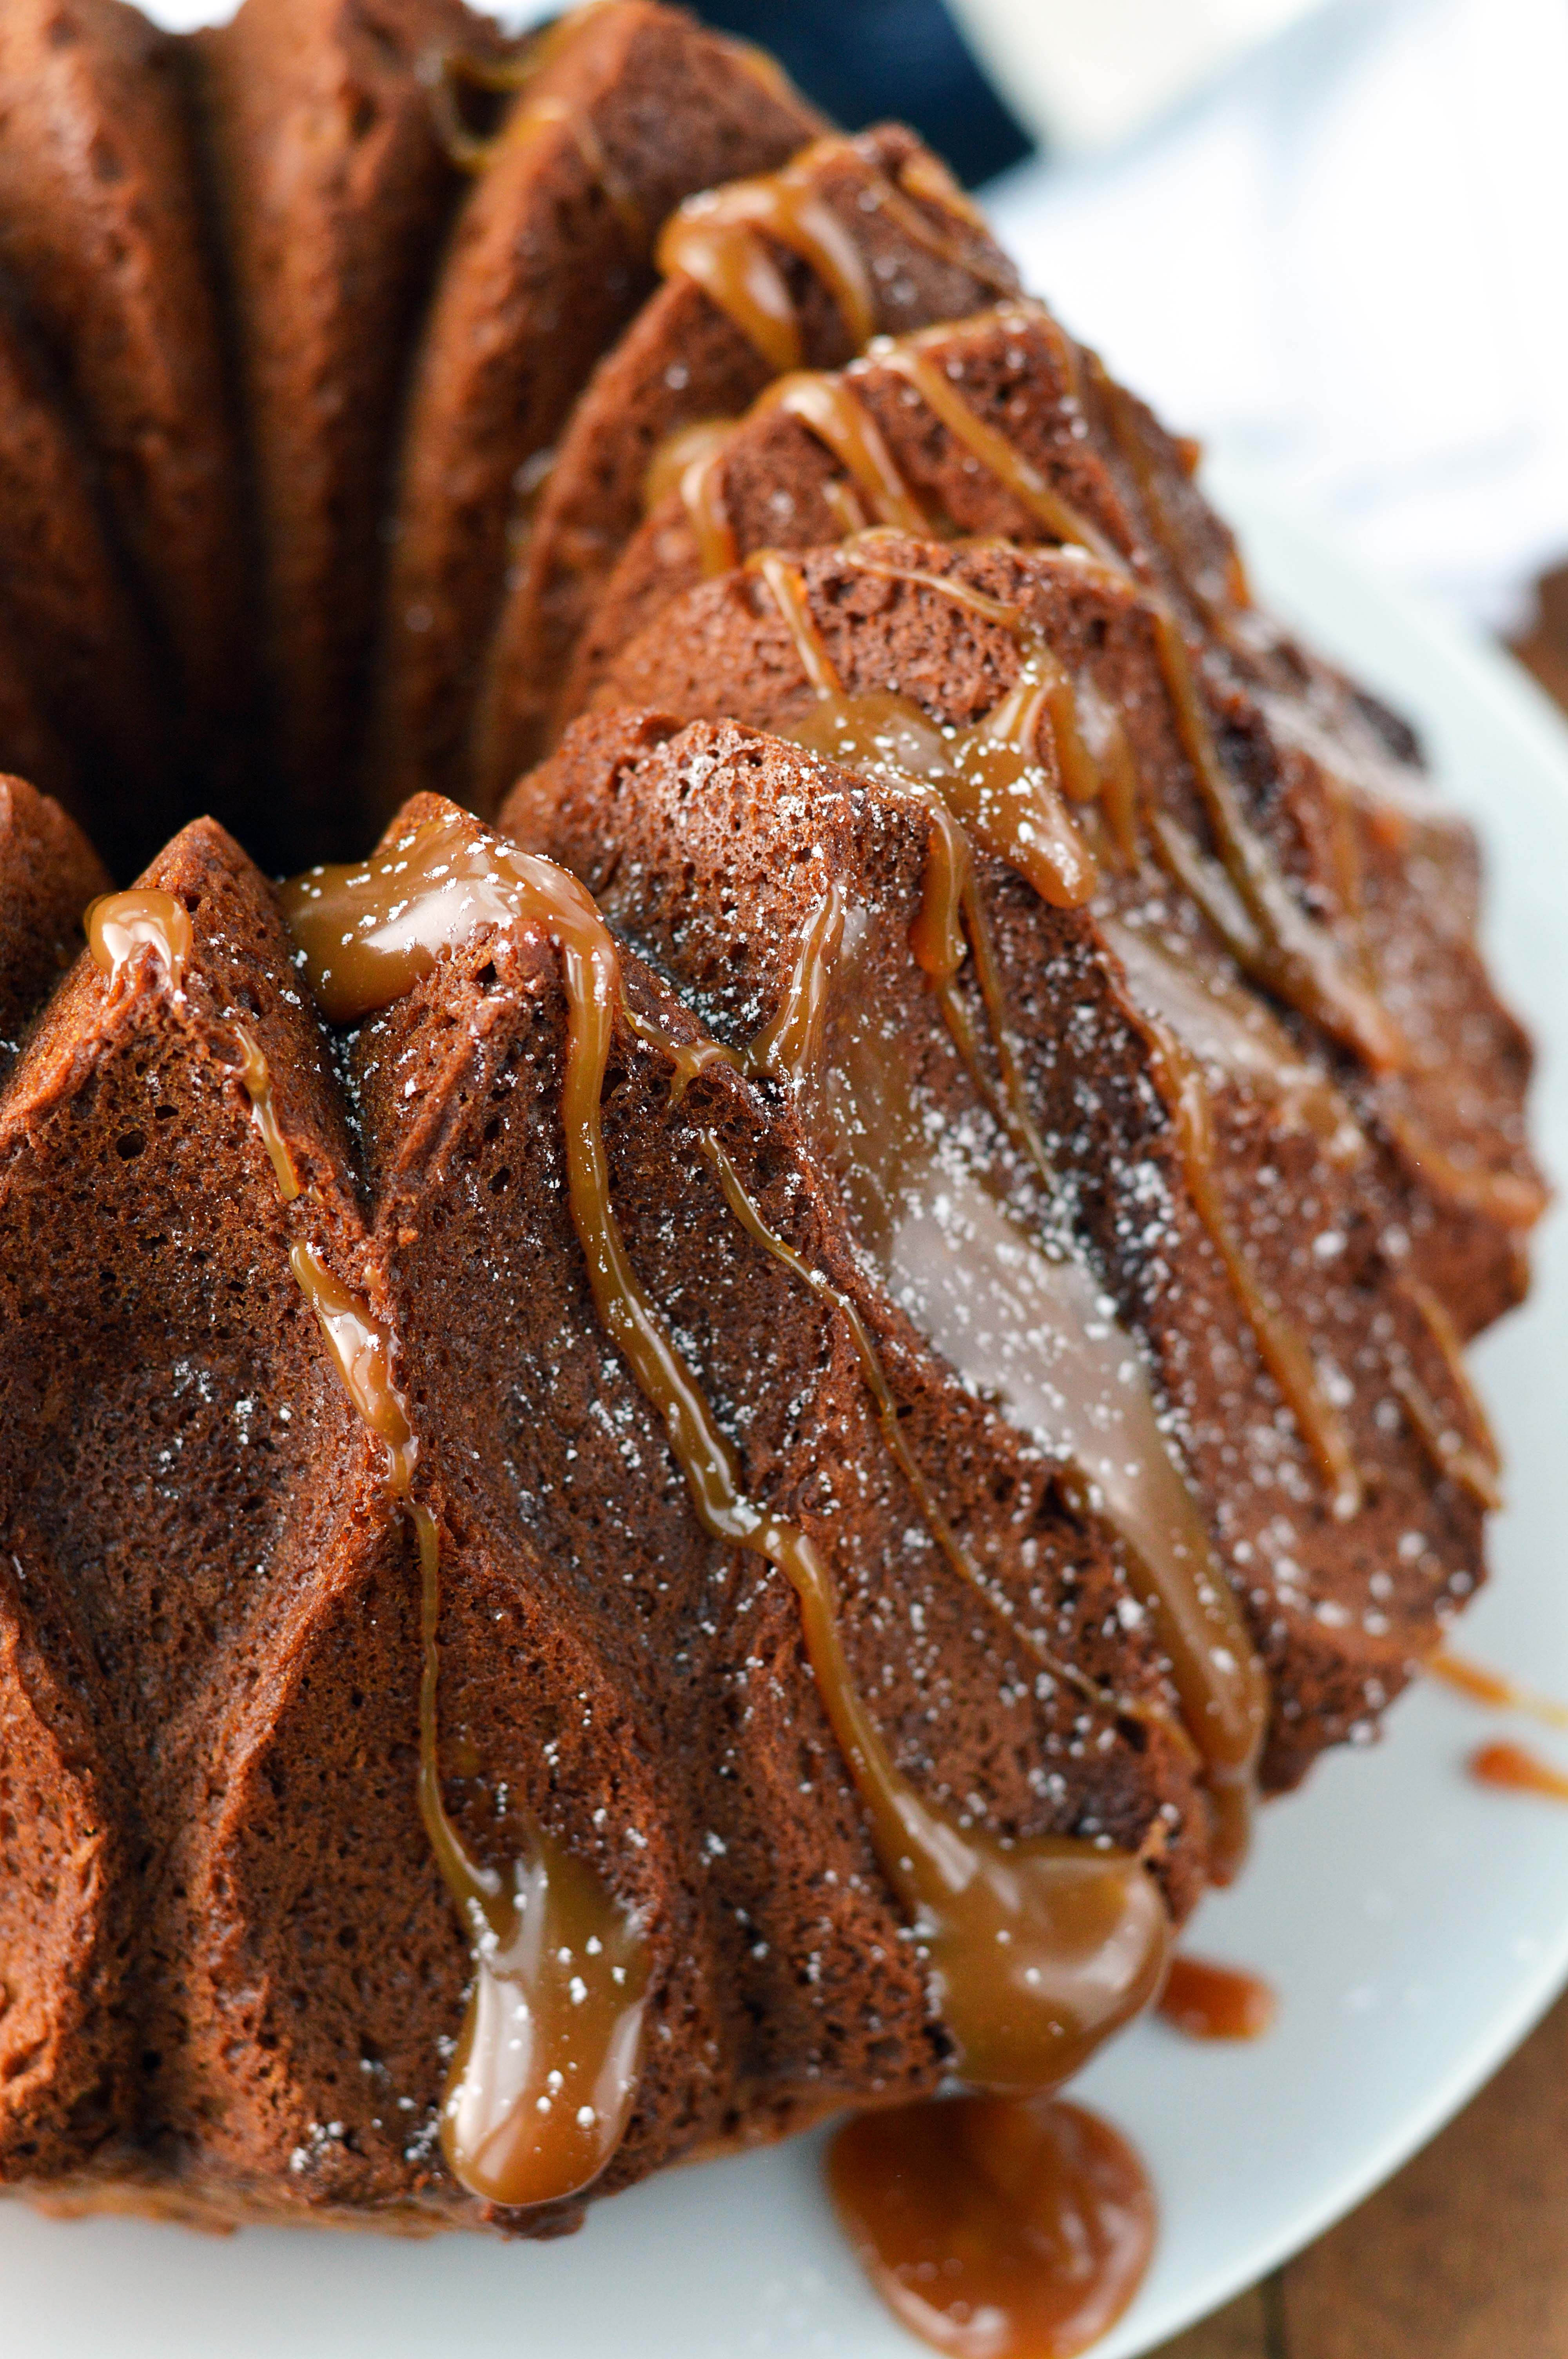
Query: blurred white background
[1327, 235]
[1341, 259]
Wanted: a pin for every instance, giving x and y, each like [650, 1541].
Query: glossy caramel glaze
[546, 2072]
[1209, 2001]
[996, 2230]
[990, 449]
[787, 1047]
[701, 482]
[121, 924]
[827, 406]
[990, 777]
[688, 446]
[545, 2067]
[996, 1598]
[1466, 1456]
[1077, 1387]
[1244, 895]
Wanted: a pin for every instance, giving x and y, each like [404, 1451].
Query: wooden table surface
[1464, 2254]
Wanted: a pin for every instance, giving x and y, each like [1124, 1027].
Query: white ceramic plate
[1413, 1924]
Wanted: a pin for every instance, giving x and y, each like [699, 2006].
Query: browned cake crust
[147, 1613]
[84, 669]
[684, 362]
[712, 850]
[550, 258]
[1339, 793]
[101, 227]
[49, 873]
[187, 1750]
[334, 192]
[1364, 839]
[1097, 454]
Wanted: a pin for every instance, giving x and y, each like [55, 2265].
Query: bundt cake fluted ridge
[549, 258]
[872, 239]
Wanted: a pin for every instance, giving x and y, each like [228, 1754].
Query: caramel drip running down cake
[685, 1435]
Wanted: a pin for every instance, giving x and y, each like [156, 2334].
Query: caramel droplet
[1212, 2002]
[1517, 1772]
[120, 924]
[996, 2230]
[546, 2067]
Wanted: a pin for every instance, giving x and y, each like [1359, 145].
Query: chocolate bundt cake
[677, 1455]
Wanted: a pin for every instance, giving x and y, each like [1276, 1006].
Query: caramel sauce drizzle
[1214, 2002]
[1128, 1478]
[1120, 412]
[1200, 1624]
[1281, 946]
[451, 71]
[120, 924]
[1292, 954]
[890, 735]
[701, 486]
[1110, 754]
[1037, 1949]
[1281, 1346]
[747, 1212]
[717, 238]
[995, 2229]
[1246, 897]
[546, 2066]
[1517, 1772]
[255, 1080]
[828, 407]
[926, 177]
[1473, 1463]
[1484, 1686]
[1226, 1026]
[786, 1046]
[1247, 902]
[842, 727]
[990, 777]
[985, 443]
[688, 446]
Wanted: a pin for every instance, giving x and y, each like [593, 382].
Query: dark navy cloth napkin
[864, 59]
